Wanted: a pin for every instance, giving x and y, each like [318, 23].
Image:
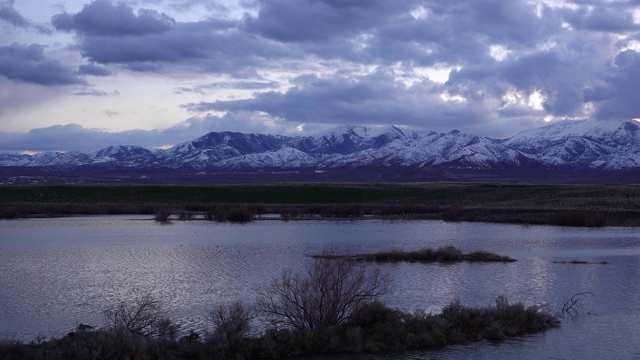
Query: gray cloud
[104, 18]
[619, 97]
[112, 34]
[239, 85]
[93, 70]
[74, 137]
[376, 98]
[605, 17]
[341, 59]
[10, 15]
[94, 92]
[29, 64]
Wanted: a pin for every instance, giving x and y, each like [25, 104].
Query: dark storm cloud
[10, 15]
[29, 64]
[104, 18]
[373, 99]
[141, 42]
[420, 32]
[318, 20]
[620, 94]
[569, 55]
[93, 70]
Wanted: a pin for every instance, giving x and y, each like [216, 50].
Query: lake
[57, 273]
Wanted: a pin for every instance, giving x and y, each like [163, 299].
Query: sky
[79, 75]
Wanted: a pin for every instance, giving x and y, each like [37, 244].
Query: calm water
[56, 273]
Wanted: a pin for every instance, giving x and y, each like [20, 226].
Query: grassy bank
[572, 205]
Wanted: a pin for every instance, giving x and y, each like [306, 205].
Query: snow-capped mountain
[608, 145]
[565, 145]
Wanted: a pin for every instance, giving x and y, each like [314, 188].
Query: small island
[444, 254]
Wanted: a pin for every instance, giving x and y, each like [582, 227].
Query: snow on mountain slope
[15, 159]
[124, 155]
[453, 149]
[349, 139]
[213, 147]
[566, 144]
[285, 157]
[594, 144]
[59, 159]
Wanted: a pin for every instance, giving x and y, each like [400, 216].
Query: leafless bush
[141, 317]
[162, 215]
[574, 306]
[330, 291]
[232, 321]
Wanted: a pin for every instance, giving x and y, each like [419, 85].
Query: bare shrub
[573, 307]
[232, 322]
[326, 295]
[162, 214]
[140, 317]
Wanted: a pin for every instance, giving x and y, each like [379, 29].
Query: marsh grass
[580, 262]
[443, 254]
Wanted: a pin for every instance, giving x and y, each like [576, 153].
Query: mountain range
[574, 145]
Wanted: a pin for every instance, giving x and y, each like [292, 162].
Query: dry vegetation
[333, 307]
[445, 254]
[566, 205]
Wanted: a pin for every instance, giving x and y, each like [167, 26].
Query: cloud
[112, 34]
[93, 70]
[74, 137]
[104, 18]
[94, 92]
[619, 97]
[239, 85]
[29, 64]
[10, 15]
[603, 17]
[311, 20]
[376, 98]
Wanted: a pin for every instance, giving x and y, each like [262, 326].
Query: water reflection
[56, 273]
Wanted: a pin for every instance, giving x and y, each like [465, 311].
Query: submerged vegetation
[333, 307]
[442, 254]
[579, 262]
[565, 205]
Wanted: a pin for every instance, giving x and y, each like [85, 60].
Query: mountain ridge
[586, 144]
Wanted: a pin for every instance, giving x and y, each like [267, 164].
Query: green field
[534, 204]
